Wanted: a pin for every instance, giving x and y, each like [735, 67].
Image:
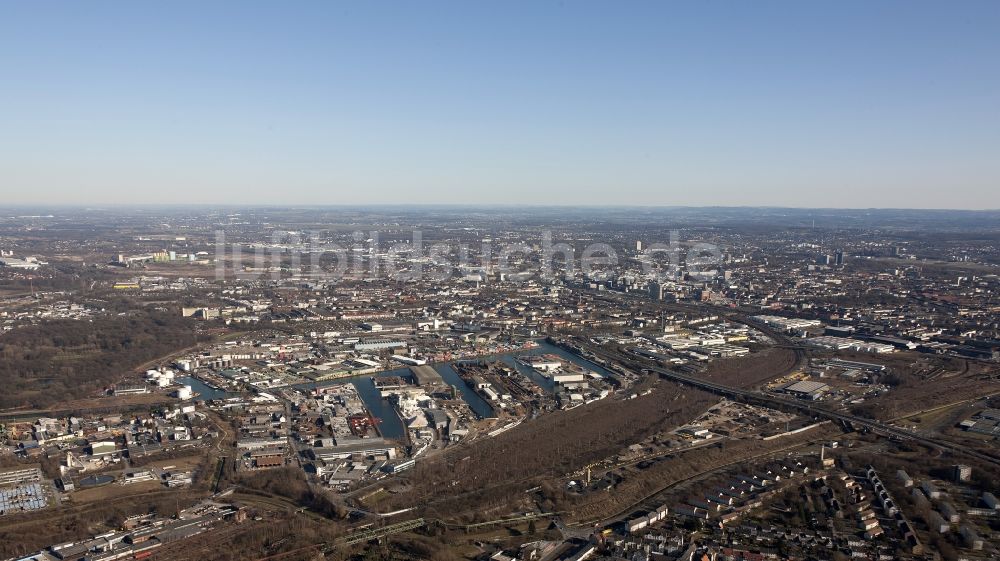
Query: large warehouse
[806, 389]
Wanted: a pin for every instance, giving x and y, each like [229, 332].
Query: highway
[804, 407]
[378, 532]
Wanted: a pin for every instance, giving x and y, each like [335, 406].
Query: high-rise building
[961, 473]
[656, 290]
[839, 256]
[638, 245]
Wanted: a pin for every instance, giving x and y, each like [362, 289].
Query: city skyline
[482, 281]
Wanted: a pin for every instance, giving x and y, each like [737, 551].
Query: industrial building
[425, 376]
[806, 389]
[787, 324]
[379, 344]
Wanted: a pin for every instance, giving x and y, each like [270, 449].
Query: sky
[850, 104]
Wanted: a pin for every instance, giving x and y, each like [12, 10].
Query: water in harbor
[204, 391]
[392, 427]
[532, 374]
[478, 405]
[545, 348]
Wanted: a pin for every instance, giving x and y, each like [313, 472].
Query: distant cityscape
[823, 385]
[500, 281]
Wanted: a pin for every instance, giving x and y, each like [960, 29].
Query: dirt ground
[114, 490]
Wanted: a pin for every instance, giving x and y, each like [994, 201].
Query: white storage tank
[185, 392]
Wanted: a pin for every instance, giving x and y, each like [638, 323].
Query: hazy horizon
[775, 104]
[383, 206]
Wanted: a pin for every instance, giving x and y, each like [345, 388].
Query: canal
[545, 348]
[204, 391]
[391, 425]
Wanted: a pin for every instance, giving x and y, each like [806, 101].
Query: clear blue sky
[799, 103]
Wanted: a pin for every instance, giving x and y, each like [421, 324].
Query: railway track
[621, 514]
[852, 421]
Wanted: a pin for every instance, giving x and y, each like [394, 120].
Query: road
[622, 514]
[875, 426]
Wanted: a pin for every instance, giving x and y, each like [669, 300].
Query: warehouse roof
[806, 386]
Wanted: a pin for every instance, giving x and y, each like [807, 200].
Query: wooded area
[681, 467]
[490, 473]
[41, 365]
[32, 531]
[751, 370]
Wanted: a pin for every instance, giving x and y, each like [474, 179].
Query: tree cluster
[41, 365]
